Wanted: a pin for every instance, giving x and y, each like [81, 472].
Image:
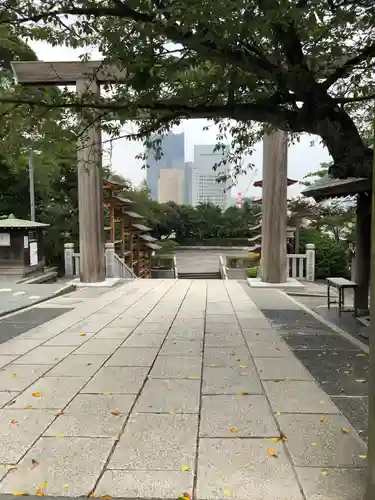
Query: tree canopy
[296, 65]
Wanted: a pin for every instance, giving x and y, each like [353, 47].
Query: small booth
[21, 247]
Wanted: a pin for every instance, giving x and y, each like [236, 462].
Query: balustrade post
[68, 259]
[310, 262]
[110, 260]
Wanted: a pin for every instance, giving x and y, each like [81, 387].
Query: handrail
[223, 268]
[122, 270]
[175, 267]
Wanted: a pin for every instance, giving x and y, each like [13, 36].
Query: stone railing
[223, 268]
[175, 267]
[114, 266]
[302, 266]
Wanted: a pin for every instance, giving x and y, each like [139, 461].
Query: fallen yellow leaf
[39, 492]
[278, 414]
[59, 435]
[107, 393]
[324, 420]
[36, 394]
[228, 492]
[13, 375]
[244, 366]
[66, 485]
[252, 467]
[106, 496]
[212, 366]
[361, 380]
[195, 378]
[116, 412]
[234, 429]
[44, 484]
[364, 457]
[185, 496]
[19, 493]
[361, 355]
[185, 468]
[314, 444]
[271, 452]
[243, 393]
[345, 430]
[277, 439]
[82, 334]
[12, 467]
[28, 406]
[324, 473]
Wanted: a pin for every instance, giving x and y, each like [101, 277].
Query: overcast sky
[302, 157]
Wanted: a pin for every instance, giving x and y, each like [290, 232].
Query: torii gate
[87, 76]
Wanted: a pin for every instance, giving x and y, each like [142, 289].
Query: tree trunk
[370, 490]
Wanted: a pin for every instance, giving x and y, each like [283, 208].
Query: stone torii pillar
[274, 207]
[87, 76]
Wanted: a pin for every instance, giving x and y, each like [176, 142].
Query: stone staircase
[210, 275]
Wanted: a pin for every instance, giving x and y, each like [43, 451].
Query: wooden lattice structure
[126, 230]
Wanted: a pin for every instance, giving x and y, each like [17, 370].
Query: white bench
[340, 284]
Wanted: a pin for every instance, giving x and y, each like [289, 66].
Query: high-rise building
[171, 185]
[173, 149]
[188, 182]
[205, 188]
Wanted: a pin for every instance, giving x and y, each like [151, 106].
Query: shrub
[168, 245]
[331, 257]
[253, 258]
[252, 272]
[162, 261]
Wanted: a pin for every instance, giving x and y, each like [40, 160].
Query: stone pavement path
[164, 387]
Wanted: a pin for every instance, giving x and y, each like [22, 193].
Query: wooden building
[326, 188]
[21, 247]
[127, 231]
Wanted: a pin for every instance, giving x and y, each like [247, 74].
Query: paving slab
[45, 355]
[152, 328]
[222, 340]
[69, 339]
[319, 441]
[290, 396]
[65, 464]
[181, 347]
[169, 396]
[176, 332]
[50, 392]
[236, 416]
[222, 356]
[216, 329]
[320, 341]
[281, 369]
[84, 365]
[99, 346]
[231, 380]
[6, 359]
[133, 356]
[145, 484]
[19, 347]
[7, 396]
[93, 415]
[18, 377]
[242, 468]
[177, 367]
[157, 442]
[18, 431]
[144, 340]
[114, 333]
[117, 380]
[220, 319]
[276, 349]
[263, 335]
[332, 484]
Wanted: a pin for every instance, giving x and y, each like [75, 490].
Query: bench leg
[340, 299]
[328, 297]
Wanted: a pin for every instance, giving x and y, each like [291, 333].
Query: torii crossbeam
[87, 76]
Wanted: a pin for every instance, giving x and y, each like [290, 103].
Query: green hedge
[331, 257]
